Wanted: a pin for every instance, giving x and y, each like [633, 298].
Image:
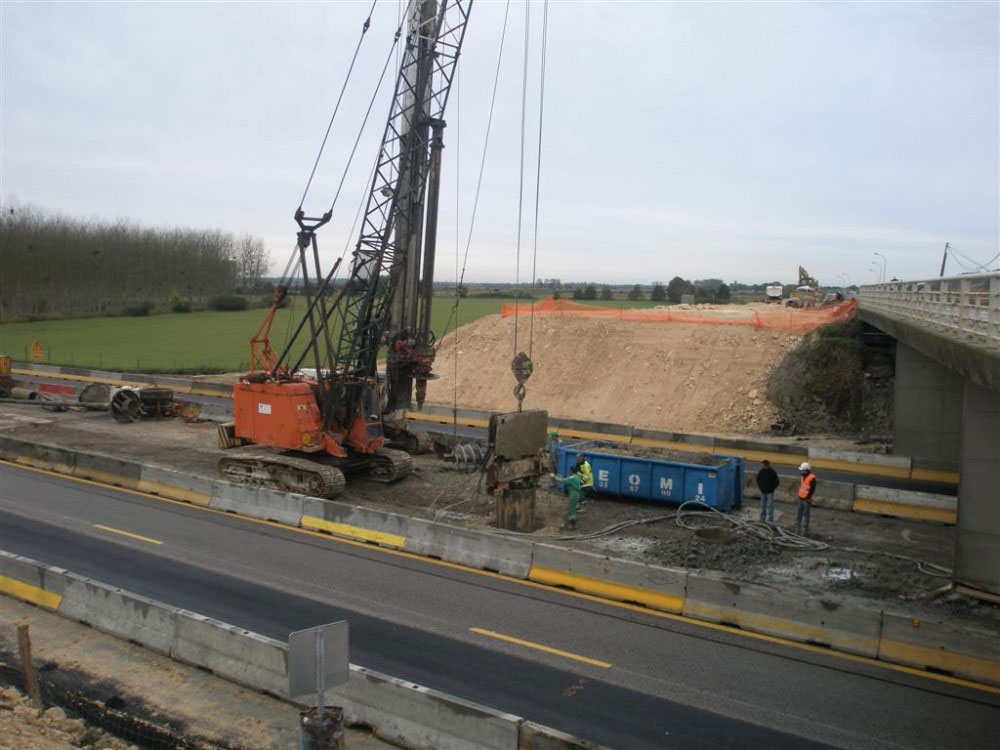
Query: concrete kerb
[823, 622]
[623, 580]
[477, 549]
[941, 647]
[423, 718]
[906, 503]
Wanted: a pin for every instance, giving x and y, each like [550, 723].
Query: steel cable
[340, 98]
[520, 186]
[538, 174]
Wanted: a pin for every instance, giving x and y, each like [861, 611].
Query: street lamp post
[885, 263]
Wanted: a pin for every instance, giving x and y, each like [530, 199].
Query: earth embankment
[686, 377]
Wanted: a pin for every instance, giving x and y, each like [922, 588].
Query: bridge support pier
[927, 421]
[977, 554]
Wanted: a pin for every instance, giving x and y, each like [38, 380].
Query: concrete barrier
[231, 652]
[38, 455]
[961, 651]
[589, 430]
[108, 469]
[270, 505]
[805, 619]
[424, 719]
[836, 495]
[650, 585]
[925, 506]
[644, 436]
[177, 485]
[873, 463]
[112, 610]
[25, 579]
[353, 522]
[477, 549]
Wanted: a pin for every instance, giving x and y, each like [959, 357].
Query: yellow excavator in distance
[806, 294]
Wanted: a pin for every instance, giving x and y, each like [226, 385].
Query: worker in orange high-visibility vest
[807, 488]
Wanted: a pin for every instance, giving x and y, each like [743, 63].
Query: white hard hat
[804, 466]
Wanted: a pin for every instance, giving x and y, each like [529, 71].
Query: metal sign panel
[518, 434]
[318, 659]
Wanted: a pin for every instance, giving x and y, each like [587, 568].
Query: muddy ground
[853, 562]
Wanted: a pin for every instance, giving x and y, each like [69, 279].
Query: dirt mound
[673, 376]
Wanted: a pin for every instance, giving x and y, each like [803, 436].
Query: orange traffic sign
[36, 350]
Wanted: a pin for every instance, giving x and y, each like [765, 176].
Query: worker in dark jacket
[767, 483]
[807, 488]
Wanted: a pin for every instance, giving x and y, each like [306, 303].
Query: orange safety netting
[794, 320]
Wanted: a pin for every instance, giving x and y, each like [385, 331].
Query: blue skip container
[719, 485]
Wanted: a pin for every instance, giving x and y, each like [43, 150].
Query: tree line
[55, 265]
[703, 290]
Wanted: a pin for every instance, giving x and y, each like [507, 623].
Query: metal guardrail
[963, 307]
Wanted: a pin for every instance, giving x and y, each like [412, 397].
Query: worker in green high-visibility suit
[574, 483]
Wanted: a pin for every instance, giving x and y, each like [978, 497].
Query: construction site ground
[144, 691]
[869, 559]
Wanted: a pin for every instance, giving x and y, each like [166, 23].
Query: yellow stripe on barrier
[355, 532]
[903, 510]
[839, 464]
[583, 434]
[609, 589]
[973, 667]
[780, 627]
[935, 475]
[29, 593]
[41, 463]
[102, 476]
[176, 493]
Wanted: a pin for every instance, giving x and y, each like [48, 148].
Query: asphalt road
[621, 677]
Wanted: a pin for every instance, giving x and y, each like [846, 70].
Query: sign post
[317, 660]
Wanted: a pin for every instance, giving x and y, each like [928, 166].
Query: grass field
[191, 342]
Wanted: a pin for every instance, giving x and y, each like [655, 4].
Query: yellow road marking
[129, 534]
[540, 647]
[29, 593]
[553, 589]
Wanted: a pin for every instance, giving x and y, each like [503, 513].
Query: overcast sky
[729, 140]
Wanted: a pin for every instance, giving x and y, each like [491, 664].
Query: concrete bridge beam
[977, 554]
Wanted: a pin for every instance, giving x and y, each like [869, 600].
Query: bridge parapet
[966, 308]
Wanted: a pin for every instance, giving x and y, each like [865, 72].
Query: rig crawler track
[286, 473]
